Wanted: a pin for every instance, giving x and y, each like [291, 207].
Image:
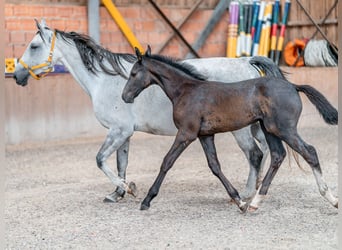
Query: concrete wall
[56, 107]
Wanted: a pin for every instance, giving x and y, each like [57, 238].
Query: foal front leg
[177, 148]
[208, 145]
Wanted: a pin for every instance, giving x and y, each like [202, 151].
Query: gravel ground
[54, 194]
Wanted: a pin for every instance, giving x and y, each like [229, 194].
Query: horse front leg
[121, 163]
[177, 148]
[115, 140]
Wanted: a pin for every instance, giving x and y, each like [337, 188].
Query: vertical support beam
[94, 20]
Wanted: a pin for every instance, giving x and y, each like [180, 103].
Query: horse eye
[34, 46]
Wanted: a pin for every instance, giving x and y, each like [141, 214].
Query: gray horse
[103, 75]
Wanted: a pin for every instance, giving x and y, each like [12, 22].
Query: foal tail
[328, 112]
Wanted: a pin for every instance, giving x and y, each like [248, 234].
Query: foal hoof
[144, 207]
[132, 189]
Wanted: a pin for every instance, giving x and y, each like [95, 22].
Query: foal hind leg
[208, 146]
[114, 140]
[254, 156]
[278, 154]
[309, 153]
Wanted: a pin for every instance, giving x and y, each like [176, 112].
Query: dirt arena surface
[54, 196]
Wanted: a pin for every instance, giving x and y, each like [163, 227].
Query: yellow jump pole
[120, 21]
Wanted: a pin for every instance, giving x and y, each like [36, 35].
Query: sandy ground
[54, 196]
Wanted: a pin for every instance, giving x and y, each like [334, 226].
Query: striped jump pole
[232, 29]
[280, 42]
[267, 30]
[274, 29]
[256, 39]
[248, 13]
[240, 47]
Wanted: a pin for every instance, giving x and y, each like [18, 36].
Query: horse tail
[327, 111]
[265, 66]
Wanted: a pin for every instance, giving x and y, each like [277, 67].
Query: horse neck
[71, 59]
[170, 80]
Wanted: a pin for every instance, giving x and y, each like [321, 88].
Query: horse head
[139, 79]
[38, 58]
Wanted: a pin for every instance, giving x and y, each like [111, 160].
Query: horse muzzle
[21, 79]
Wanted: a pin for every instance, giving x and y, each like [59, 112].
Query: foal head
[139, 79]
[38, 58]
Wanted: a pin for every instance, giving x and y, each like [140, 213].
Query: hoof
[132, 189]
[114, 197]
[252, 209]
[336, 205]
[144, 207]
[243, 208]
[110, 199]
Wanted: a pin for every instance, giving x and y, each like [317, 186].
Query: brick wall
[144, 22]
[147, 25]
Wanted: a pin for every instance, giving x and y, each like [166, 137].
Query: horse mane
[176, 63]
[94, 56]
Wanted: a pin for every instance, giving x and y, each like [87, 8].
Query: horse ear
[138, 53]
[148, 51]
[38, 24]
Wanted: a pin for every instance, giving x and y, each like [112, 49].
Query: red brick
[17, 37]
[8, 10]
[65, 11]
[21, 10]
[12, 24]
[79, 12]
[130, 13]
[50, 11]
[18, 50]
[58, 24]
[148, 26]
[29, 36]
[72, 25]
[7, 37]
[36, 11]
[9, 51]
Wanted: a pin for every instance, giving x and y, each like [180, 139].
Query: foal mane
[94, 56]
[176, 63]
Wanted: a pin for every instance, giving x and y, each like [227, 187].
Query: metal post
[94, 20]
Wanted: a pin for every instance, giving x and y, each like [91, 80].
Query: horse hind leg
[254, 156]
[278, 154]
[208, 146]
[260, 137]
[309, 154]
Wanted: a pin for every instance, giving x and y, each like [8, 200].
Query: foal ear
[138, 53]
[148, 51]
